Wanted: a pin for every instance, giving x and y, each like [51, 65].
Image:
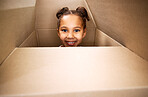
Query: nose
[70, 35]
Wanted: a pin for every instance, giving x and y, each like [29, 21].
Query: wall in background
[17, 19]
[125, 21]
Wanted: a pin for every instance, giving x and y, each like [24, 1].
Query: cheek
[62, 36]
[79, 36]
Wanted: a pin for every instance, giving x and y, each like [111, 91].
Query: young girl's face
[71, 30]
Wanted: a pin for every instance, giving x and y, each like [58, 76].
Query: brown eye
[76, 30]
[64, 30]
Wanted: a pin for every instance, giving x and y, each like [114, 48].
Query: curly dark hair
[80, 11]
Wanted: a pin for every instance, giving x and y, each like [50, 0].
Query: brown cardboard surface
[124, 21]
[130, 92]
[17, 21]
[77, 71]
[31, 41]
[101, 39]
[48, 37]
[15, 4]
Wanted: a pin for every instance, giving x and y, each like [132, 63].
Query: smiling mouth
[71, 43]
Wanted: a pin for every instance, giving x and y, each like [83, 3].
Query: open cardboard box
[112, 61]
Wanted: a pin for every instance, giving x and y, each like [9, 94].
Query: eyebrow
[67, 27]
[63, 27]
[77, 27]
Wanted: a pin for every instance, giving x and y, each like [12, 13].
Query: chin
[70, 46]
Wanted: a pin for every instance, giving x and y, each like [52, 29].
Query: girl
[72, 26]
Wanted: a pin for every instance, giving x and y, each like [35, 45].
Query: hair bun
[61, 11]
[83, 11]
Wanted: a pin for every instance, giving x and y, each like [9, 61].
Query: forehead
[71, 20]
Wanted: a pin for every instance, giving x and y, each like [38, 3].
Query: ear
[84, 33]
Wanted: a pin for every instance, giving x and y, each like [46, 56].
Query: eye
[76, 30]
[64, 30]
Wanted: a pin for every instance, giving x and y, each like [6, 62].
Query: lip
[71, 43]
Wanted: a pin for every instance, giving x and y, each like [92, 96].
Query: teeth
[70, 43]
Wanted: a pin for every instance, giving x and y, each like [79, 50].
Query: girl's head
[72, 25]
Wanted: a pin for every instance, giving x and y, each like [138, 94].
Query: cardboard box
[112, 61]
[74, 72]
